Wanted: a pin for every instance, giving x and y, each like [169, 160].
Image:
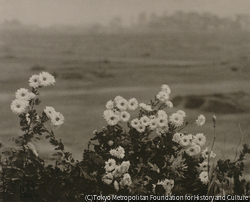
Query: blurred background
[100, 49]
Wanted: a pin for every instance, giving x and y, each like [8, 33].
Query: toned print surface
[82, 54]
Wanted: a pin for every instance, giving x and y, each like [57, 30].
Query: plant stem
[242, 136]
[209, 153]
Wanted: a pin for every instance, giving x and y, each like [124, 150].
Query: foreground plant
[143, 155]
[157, 153]
[22, 163]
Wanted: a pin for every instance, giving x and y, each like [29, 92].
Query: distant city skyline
[80, 12]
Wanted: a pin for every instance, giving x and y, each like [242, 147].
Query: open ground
[92, 69]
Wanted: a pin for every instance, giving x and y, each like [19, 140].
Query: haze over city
[78, 12]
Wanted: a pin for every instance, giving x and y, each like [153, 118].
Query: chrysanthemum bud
[214, 119]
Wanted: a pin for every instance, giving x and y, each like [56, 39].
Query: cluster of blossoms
[151, 119]
[167, 186]
[116, 110]
[56, 118]
[26, 99]
[192, 144]
[163, 96]
[117, 174]
[23, 96]
[42, 79]
[204, 166]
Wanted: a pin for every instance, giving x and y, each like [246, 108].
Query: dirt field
[90, 70]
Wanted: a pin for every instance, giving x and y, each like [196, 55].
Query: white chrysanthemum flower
[201, 120]
[176, 119]
[167, 185]
[124, 116]
[162, 113]
[123, 168]
[172, 183]
[162, 121]
[205, 153]
[111, 117]
[57, 119]
[49, 111]
[166, 88]
[181, 112]
[177, 137]
[153, 123]
[148, 108]
[116, 172]
[118, 98]
[110, 142]
[110, 165]
[212, 154]
[108, 178]
[193, 150]
[199, 139]
[184, 141]
[135, 123]
[132, 104]
[161, 130]
[116, 185]
[46, 79]
[204, 177]
[142, 105]
[126, 180]
[32, 148]
[34, 81]
[110, 105]
[144, 120]
[18, 106]
[121, 104]
[145, 107]
[31, 95]
[118, 152]
[121, 152]
[24, 94]
[169, 104]
[162, 96]
[204, 166]
[141, 128]
[163, 182]
[152, 117]
[189, 136]
[113, 152]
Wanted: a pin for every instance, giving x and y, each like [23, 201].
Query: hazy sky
[49, 12]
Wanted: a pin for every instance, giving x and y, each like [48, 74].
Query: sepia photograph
[124, 100]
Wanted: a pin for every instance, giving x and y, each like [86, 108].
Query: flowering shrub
[147, 154]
